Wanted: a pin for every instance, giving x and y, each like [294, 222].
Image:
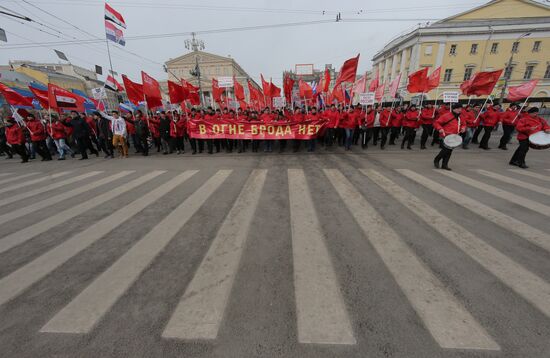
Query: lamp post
[507, 70]
[196, 45]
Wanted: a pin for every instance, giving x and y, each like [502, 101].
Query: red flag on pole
[216, 91]
[59, 98]
[522, 91]
[239, 90]
[176, 92]
[41, 96]
[379, 93]
[434, 78]
[305, 90]
[151, 90]
[134, 90]
[14, 98]
[374, 84]
[418, 81]
[482, 83]
[348, 71]
[288, 84]
[326, 81]
[265, 86]
[394, 86]
[274, 91]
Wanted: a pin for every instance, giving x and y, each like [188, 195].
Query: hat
[457, 105]
[533, 110]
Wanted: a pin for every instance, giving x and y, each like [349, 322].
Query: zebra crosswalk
[323, 310]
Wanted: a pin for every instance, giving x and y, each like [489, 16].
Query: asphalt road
[330, 254]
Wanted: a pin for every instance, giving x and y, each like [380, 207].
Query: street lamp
[508, 70]
[196, 45]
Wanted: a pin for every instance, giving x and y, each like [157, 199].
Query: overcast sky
[267, 51]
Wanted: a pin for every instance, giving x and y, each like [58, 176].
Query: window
[473, 50]
[547, 73]
[508, 72]
[515, 47]
[452, 51]
[536, 46]
[528, 72]
[448, 75]
[494, 47]
[468, 73]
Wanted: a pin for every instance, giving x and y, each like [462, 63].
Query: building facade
[211, 66]
[486, 38]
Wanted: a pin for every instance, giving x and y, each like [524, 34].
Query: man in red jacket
[447, 124]
[397, 118]
[490, 119]
[528, 124]
[38, 137]
[427, 115]
[332, 115]
[59, 136]
[410, 122]
[16, 139]
[348, 123]
[508, 118]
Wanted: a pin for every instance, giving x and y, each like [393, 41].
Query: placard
[450, 97]
[99, 93]
[366, 99]
[225, 82]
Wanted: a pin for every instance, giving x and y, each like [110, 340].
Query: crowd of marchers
[50, 135]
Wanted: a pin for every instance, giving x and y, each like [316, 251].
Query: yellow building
[482, 39]
[46, 76]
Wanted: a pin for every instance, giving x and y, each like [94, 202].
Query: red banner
[227, 129]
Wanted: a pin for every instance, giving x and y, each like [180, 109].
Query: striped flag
[114, 16]
[114, 34]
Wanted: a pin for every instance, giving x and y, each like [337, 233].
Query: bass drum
[452, 141]
[539, 140]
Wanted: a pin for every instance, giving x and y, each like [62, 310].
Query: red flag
[151, 90]
[274, 91]
[305, 90]
[41, 96]
[239, 90]
[482, 83]
[134, 90]
[216, 91]
[418, 81]
[374, 84]
[348, 71]
[265, 86]
[465, 87]
[59, 98]
[379, 93]
[522, 91]
[288, 84]
[326, 81]
[14, 98]
[191, 93]
[360, 85]
[433, 80]
[394, 85]
[176, 92]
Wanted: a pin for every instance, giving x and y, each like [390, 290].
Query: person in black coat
[104, 135]
[81, 134]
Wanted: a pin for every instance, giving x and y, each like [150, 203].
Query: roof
[492, 3]
[13, 76]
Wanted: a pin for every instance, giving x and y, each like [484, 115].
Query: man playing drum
[527, 125]
[449, 126]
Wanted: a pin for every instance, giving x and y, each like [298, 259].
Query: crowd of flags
[148, 93]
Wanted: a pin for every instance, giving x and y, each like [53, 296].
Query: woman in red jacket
[16, 139]
[528, 124]
[59, 136]
[447, 124]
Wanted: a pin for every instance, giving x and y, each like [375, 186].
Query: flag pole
[109, 54]
[484, 104]
[435, 103]
[520, 109]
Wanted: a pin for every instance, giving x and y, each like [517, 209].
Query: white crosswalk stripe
[19, 177]
[44, 189]
[60, 197]
[21, 279]
[200, 311]
[526, 284]
[32, 182]
[500, 193]
[534, 235]
[520, 183]
[321, 312]
[451, 325]
[82, 313]
[19, 237]
[5, 174]
[531, 174]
